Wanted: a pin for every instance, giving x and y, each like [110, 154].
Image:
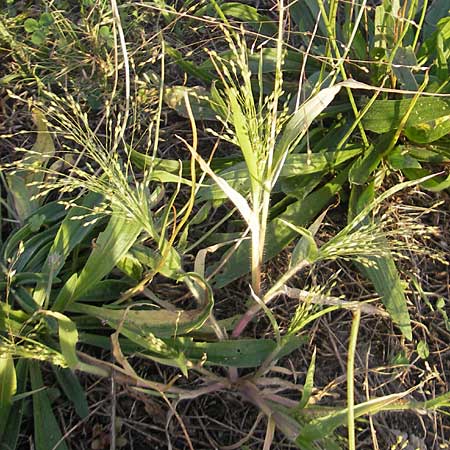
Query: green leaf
[309, 384]
[430, 131]
[250, 16]
[8, 386]
[31, 25]
[47, 434]
[436, 184]
[386, 115]
[111, 245]
[104, 32]
[382, 271]
[299, 123]
[72, 231]
[386, 281]
[404, 65]
[422, 350]
[188, 66]
[366, 164]
[292, 61]
[43, 149]
[296, 165]
[46, 20]
[73, 390]
[324, 426]
[38, 37]
[199, 100]
[238, 353]
[130, 266]
[279, 235]
[160, 322]
[68, 337]
[9, 440]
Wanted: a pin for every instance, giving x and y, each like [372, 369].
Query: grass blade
[47, 434]
[73, 390]
[8, 386]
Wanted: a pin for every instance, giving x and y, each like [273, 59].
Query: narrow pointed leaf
[8, 386]
[47, 434]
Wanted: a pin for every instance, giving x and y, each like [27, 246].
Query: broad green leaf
[106, 291]
[73, 390]
[47, 434]
[130, 266]
[386, 115]
[400, 159]
[436, 184]
[365, 165]
[157, 349]
[8, 386]
[160, 322]
[150, 258]
[31, 25]
[423, 350]
[430, 131]
[306, 248]
[37, 245]
[237, 353]
[47, 215]
[304, 15]
[189, 67]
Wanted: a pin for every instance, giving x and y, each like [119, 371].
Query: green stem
[350, 380]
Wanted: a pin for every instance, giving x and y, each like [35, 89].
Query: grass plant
[108, 243]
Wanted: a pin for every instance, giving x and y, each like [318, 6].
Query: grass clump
[104, 224]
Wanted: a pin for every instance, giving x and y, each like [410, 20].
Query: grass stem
[350, 379]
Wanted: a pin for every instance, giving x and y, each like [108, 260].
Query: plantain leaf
[296, 165]
[47, 434]
[299, 123]
[268, 56]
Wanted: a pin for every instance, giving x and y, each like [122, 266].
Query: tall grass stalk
[350, 379]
